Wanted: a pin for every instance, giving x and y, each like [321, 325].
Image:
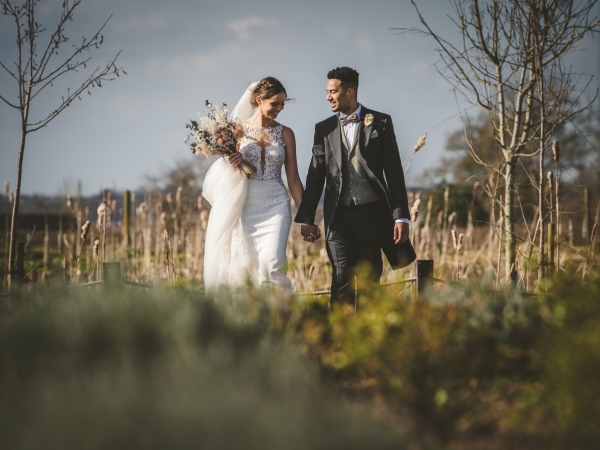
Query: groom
[365, 212]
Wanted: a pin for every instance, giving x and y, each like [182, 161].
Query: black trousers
[354, 242]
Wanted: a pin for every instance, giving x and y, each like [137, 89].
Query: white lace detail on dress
[250, 219]
[234, 264]
[268, 194]
[274, 152]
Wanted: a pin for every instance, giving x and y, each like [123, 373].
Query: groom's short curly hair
[347, 76]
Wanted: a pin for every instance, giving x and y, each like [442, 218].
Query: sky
[180, 53]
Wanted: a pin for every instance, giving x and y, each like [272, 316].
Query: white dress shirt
[350, 127]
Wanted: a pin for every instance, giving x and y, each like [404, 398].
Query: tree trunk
[509, 226]
[541, 255]
[539, 68]
[11, 246]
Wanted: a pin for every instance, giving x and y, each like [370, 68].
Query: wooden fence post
[112, 275]
[585, 229]
[424, 275]
[551, 247]
[20, 261]
[65, 273]
[127, 218]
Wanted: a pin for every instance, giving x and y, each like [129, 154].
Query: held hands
[310, 233]
[235, 159]
[400, 232]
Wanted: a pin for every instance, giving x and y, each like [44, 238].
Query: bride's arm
[291, 166]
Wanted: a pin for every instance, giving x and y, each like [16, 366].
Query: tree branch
[95, 79]
[9, 103]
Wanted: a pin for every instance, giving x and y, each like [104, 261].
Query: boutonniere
[368, 119]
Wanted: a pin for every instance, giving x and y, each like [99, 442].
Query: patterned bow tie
[351, 118]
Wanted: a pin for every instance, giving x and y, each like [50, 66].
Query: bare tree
[39, 64]
[509, 61]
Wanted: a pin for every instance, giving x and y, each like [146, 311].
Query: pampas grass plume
[420, 143]
[556, 151]
[414, 211]
[451, 218]
[178, 195]
[85, 229]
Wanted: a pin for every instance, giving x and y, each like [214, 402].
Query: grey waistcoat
[355, 181]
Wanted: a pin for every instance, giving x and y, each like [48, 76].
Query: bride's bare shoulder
[287, 131]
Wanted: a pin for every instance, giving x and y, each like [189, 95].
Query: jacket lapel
[366, 129]
[363, 148]
[335, 141]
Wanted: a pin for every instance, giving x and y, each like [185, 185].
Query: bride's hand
[235, 159]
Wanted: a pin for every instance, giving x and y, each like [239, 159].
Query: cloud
[340, 33]
[364, 42]
[243, 27]
[227, 53]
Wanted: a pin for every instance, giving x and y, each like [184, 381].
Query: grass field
[465, 367]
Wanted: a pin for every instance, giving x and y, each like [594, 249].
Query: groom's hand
[310, 233]
[400, 232]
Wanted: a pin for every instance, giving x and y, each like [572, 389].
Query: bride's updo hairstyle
[267, 88]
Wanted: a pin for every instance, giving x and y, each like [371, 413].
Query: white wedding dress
[250, 218]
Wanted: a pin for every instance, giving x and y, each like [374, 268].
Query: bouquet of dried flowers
[217, 135]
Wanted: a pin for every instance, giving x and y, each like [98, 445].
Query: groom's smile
[341, 99]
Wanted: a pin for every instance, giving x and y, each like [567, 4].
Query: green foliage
[463, 367]
[166, 369]
[459, 201]
[468, 362]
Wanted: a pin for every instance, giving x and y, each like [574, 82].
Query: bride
[250, 218]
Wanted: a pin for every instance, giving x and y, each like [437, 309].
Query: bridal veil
[225, 253]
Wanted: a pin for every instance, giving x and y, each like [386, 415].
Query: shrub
[468, 362]
[163, 369]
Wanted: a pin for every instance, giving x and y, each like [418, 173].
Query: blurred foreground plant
[170, 369]
[464, 367]
[468, 363]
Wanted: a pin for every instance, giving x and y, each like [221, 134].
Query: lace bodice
[274, 152]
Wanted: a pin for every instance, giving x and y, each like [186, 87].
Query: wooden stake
[551, 247]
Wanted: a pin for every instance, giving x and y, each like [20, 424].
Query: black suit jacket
[379, 155]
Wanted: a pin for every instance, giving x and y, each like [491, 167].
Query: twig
[30, 237]
[590, 245]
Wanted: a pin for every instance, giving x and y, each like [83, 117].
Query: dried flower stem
[84, 232]
[420, 143]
